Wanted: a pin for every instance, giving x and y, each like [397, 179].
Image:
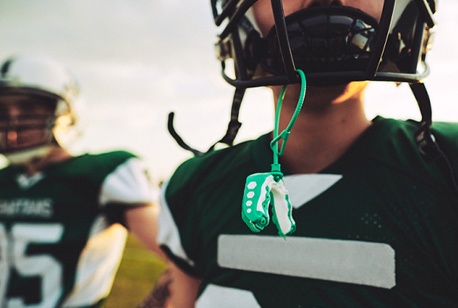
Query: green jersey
[377, 228]
[59, 244]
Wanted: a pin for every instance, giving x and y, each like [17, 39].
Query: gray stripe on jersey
[357, 262]
[224, 297]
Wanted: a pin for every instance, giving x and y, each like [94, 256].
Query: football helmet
[42, 81]
[330, 43]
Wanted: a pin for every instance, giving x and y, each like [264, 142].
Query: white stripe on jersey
[224, 297]
[97, 264]
[304, 187]
[357, 262]
[127, 184]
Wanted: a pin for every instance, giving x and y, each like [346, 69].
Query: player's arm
[183, 288]
[128, 198]
[142, 223]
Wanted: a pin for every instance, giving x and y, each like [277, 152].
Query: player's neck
[322, 134]
[55, 155]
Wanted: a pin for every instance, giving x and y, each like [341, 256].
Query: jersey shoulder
[446, 134]
[401, 135]
[96, 166]
[213, 167]
[394, 145]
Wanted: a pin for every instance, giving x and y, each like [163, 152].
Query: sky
[138, 60]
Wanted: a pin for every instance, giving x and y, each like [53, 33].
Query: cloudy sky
[138, 60]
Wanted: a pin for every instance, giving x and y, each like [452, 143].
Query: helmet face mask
[334, 39]
[37, 98]
[26, 121]
[331, 44]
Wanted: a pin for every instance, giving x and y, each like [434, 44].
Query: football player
[61, 216]
[365, 208]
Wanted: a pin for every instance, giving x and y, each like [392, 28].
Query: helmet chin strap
[26, 156]
[232, 127]
[426, 142]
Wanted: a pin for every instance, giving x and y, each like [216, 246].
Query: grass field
[138, 271]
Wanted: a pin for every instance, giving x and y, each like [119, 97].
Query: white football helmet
[40, 79]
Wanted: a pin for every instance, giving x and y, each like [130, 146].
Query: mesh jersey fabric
[388, 193]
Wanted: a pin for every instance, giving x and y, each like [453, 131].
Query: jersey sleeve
[127, 184]
[179, 231]
[192, 191]
[169, 237]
